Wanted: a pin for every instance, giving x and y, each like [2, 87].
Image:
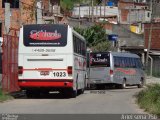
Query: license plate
[44, 73]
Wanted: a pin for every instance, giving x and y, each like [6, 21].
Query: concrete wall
[133, 12]
[126, 37]
[84, 11]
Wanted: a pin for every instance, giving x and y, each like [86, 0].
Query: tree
[66, 5]
[96, 37]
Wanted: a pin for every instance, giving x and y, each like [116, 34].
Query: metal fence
[9, 63]
[153, 68]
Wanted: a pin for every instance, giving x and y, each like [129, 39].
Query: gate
[10, 63]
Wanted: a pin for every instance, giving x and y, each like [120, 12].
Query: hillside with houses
[130, 20]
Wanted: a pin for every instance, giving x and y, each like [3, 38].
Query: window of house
[148, 15]
[13, 3]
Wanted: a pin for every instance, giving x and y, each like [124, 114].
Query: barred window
[13, 3]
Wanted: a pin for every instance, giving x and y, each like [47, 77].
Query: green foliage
[149, 99]
[95, 37]
[67, 5]
[3, 96]
[101, 47]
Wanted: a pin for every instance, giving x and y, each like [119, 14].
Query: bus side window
[116, 62]
[83, 49]
[134, 62]
[131, 62]
[128, 62]
[139, 63]
[123, 62]
[74, 43]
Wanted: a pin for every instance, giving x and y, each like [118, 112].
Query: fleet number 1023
[59, 74]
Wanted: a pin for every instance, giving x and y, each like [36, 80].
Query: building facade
[131, 12]
[25, 12]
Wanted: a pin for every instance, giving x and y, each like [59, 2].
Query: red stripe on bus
[50, 80]
[45, 84]
[48, 69]
[129, 72]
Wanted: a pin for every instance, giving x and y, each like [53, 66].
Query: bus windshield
[45, 35]
[100, 59]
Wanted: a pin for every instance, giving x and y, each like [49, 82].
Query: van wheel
[141, 83]
[123, 85]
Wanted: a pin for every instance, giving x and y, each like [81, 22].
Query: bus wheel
[123, 85]
[141, 83]
[33, 93]
[29, 94]
[73, 93]
[82, 91]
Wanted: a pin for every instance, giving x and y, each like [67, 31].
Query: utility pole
[79, 15]
[150, 34]
[89, 12]
[7, 18]
[104, 9]
[39, 12]
[92, 12]
[79, 11]
[100, 10]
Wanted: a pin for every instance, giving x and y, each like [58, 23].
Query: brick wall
[25, 14]
[155, 41]
[124, 5]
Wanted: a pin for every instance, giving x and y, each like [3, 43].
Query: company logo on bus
[44, 35]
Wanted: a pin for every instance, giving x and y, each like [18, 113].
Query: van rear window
[45, 35]
[100, 59]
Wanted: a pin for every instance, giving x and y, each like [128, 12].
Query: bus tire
[123, 85]
[82, 91]
[141, 84]
[29, 94]
[33, 93]
[74, 92]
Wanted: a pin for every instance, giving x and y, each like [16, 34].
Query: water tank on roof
[110, 3]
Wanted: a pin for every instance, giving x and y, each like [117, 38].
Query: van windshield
[100, 59]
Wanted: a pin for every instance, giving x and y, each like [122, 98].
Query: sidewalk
[150, 80]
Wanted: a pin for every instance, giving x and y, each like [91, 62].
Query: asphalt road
[114, 101]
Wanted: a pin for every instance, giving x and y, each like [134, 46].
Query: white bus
[117, 68]
[51, 58]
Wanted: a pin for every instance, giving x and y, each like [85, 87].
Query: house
[98, 13]
[25, 12]
[132, 12]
